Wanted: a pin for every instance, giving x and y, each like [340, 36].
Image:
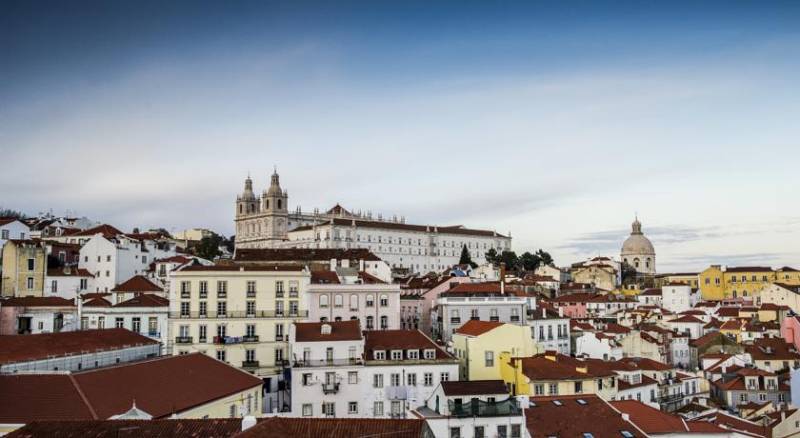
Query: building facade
[638, 252]
[267, 222]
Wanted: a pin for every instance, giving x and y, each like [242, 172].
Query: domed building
[638, 251]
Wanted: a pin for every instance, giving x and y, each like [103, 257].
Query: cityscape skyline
[555, 123]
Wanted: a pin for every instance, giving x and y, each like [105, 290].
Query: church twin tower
[262, 222]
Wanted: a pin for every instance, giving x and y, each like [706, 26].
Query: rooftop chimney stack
[502, 278]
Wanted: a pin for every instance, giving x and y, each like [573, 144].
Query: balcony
[455, 320]
[478, 408]
[671, 398]
[154, 334]
[494, 318]
[222, 294]
[279, 338]
[514, 318]
[327, 362]
[240, 314]
[330, 387]
[183, 339]
[249, 338]
[250, 364]
[251, 294]
[279, 294]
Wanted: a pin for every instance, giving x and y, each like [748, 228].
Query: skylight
[581, 401]
[627, 434]
[557, 402]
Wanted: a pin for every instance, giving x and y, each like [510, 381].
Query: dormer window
[413, 354]
[397, 354]
[326, 329]
[379, 355]
[430, 354]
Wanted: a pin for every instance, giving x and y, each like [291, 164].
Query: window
[251, 288]
[279, 308]
[203, 333]
[308, 409]
[377, 381]
[370, 301]
[221, 355]
[136, 324]
[203, 308]
[762, 397]
[222, 308]
[29, 283]
[516, 431]
[479, 432]
[396, 407]
[203, 289]
[323, 301]
[185, 308]
[352, 407]
[430, 354]
[553, 389]
[377, 409]
[251, 308]
[538, 389]
[578, 387]
[119, 322]
[370, 322]
[54, 286]
[353, 302]
[250, 355]
[329, 409]
[222, 289]
[233, 409]
[31, 264]
[293, 308]
[352, 377]
[489, 359]
[395, 379]
[428, 379]
[743, 397]
[384, 301]
[455, 432]
[338, 301]
[101, 322]
[411, 379]
[444, 377]
[502, 431]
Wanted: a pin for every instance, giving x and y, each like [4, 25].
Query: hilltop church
[267, 222]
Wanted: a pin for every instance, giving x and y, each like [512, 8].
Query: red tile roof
[24, 348]
[772, 349]
[36, 302]
[242, 268]
[324, 277]
[72, 272]
[183, 428]
[160, 387]
[571, 418]
[749, 269]
[144, 300]
[282, 427]
[731, 422]
[106, 230]
[475, 327]
[340, 331]
[367, 278]
[654, 421]
[137, 283]
[97, 302]
[539, 367]
[400, 340]
[480, 289]
[474, 387]
[687, 319]
[705, 339]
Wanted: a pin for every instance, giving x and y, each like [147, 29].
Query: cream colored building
[638, 252]
[240, 315]
[193, 234]
[782, 295]
[24, 268]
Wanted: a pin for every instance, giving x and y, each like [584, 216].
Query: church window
[323, 301]
[279, 204]
[240, 209]
[266, 205]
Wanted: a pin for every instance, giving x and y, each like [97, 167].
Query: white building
[678, 298]
[474, 409]
[114, 259]
[598, 346]
[550, 330]
[490, 301]
[67, 282]
[339, 372]
[12, 228]
[266, 222]
[145, 314]
[638, 252]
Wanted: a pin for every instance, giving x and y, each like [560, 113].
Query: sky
[555, 121]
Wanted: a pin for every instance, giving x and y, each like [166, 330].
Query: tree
[544, 257]
[208, 248]
[466, 258]
[492, 257]
[7, 212]
[529, 262]
[510, 259]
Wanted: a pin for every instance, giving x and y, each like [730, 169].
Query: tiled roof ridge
[85, 399]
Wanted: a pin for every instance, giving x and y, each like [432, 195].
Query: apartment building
[345, 294]
[240, 315]
[489, 301]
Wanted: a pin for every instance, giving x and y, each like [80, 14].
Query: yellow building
[717, 283]
[478, 345]
[555, 374]
[787, 275]
[687, 278]
[601, 275]
[24, 267]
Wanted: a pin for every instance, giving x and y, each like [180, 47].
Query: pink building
[418, 297]
[573, 305]
[34, 315]
[790, 330]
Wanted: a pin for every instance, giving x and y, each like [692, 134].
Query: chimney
[248, 421]
[544, 312]
[502, 278]
[333, 264]
[783, 415]
[626, 417]
[560, 312]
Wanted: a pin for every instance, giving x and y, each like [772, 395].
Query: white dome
[636, 243]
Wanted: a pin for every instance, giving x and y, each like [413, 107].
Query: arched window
[337, 301]
[384, 300]
[279, 204]
[384, 322]
[370, 300]
[240, 208]
[323, 301]
[636, 263]
[647, 262]
[370, 322]
[353, 302]
[266, 205]
[338, 318]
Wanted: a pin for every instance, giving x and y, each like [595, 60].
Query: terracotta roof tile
[137, 283]
[23, 348]
[475, 327]
[474, 387]
[652, 420]
[36, 302]
[144, 300]
[324, 277]
[181, 428]
[400, 340]
[340, 331]
[571, 418]
[281, 427]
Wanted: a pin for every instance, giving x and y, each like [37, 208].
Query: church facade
[267, 222]
[638, 252]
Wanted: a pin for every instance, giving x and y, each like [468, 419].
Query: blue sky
[556, 121]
